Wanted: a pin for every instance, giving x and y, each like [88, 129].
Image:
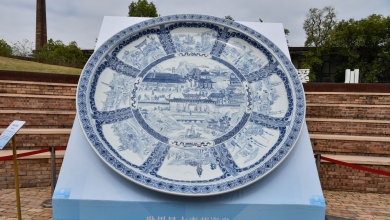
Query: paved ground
[339, 205]
[352, 205]
[30, 200]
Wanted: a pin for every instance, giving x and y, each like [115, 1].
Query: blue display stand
[88, 189]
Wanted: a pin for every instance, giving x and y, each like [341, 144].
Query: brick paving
[355, 205]
[31, 204]
[340, 205]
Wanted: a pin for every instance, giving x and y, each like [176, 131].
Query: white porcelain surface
[190, 104]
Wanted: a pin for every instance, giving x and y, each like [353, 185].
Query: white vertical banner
[356, 71]
[347, 75]
[352, 80]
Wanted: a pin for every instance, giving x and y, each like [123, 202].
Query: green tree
[142, 9]
[286, 32]
[365, 45]
[5, 49]
[318, 26]
[57, 51]
[229, 18]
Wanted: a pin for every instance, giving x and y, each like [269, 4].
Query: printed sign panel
[62, 193]
[10, 132]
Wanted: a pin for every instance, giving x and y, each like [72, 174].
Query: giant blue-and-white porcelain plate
[190, 104]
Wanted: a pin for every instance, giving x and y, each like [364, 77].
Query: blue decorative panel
[190, 104]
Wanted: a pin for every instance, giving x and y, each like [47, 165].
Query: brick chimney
[41, 32]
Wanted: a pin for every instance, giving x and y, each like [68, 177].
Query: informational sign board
[10, 132]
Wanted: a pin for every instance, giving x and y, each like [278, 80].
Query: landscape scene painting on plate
[191, 99]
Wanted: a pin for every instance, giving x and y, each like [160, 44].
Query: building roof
[191, 96]
[191, 100]
[216, 95]
[237, 95]
[204, 81]
[204, 73]
[164, 78]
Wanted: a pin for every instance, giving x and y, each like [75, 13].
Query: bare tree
[23, 49]
[318, 25]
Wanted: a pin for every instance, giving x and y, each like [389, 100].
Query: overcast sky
[80, 20]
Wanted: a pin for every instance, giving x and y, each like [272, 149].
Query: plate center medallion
[191, 99]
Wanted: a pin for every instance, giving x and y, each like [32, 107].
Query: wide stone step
[33, 139]
[351, 145]
[38, 119]
[37, 88]
[37, 102]
[34, 170]
[339, 177]
[361, 160]
[348, 111]
[348, 98]
[348, 126]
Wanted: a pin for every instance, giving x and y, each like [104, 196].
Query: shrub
[5, 49]
[57, 51]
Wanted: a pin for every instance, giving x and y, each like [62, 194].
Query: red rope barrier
[356, 166]
[322, 158]
[30, 153]
[24, 154]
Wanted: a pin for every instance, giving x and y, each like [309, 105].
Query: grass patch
[29, 66]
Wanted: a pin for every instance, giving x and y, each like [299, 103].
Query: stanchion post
[53, 168]
[318, 161]
[16, 177]
[48, 203]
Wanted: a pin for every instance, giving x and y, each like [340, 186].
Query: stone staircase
[48, 108]
[352, 127]
[340, 122]
[345, 123]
